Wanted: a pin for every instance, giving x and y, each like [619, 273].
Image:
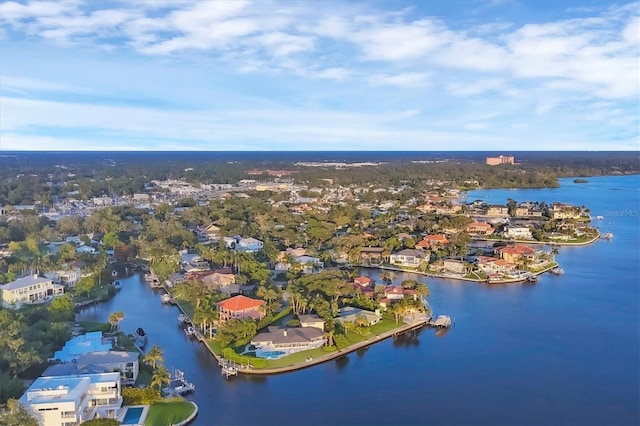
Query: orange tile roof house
[480, 228]
[436, 240]
[517, 253]
[239, 307]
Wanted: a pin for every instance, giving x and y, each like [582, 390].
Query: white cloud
[407, 80]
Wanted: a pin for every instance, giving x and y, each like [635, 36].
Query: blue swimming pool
[272, 354]
[132, 416]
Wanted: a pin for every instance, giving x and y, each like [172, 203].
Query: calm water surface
[562, 352]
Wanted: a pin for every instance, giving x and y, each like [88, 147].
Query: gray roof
[72, 369]
[309, 318]
[279, 335]
[107, 357]
[25, 282]
[411, 252]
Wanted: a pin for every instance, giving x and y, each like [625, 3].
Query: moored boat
[117, 285]
[140, 338]
[183, 319]
[165, 298]
[190, 331]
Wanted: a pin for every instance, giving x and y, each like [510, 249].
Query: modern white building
[126, 363]
[71, 400]
[28, 289]
[81, 345]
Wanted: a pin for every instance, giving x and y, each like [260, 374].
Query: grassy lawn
[168, 413]
[144, 377]
[187, 306]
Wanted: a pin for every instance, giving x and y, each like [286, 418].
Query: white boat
[190, 331]
[140, 338]
[183, 319]
[165, 298]
[600, 217]
[179, 385]
[442, 321]
[117, 285]
[557, 271]
[114, 273]
[608, 236]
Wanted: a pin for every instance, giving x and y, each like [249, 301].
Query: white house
[351, 314]
[311, 320]
[408, 257]
[71, 400]
[287, 340]
[68, 277]
[126, 363]
[250, 244]
[28, 289]
[518, 233]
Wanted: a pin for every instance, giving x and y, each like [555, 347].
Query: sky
[320, 75]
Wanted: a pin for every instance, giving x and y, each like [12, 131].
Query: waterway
[564, 351]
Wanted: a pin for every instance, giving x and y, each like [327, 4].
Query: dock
[179, 386]
[227, 368]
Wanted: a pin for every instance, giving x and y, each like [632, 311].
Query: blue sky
[319, 75]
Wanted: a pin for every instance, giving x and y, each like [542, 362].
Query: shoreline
[548, 243]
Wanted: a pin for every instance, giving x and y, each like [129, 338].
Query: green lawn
[187, 306]
[168, 413]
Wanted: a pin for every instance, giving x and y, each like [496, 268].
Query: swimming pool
[132, 416]
[272, 354]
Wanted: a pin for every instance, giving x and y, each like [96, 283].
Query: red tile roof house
[437, 240]
[480, 228]
[363, 281]
[516, 254]
[239, 307]
[393, 292]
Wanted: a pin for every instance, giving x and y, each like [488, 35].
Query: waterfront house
[29, 289]
[480, 228]
[371, 255]
[393, 292]
[497, 210]
[516, 254]
[518, 233]
[250, 245]
[288, 340]
[455, 266]
[67, 276]
[363, 281]
[565, 211]
[72, 400]
[126, 363]
[351, 314]
[492, 265]
[408, 257]
[239, 307]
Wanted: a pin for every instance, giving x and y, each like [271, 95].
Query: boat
[533, 279]
[557, 271]
[183, 319]
[114, 273]
[443, 321]
[165, 298]
[600, 217]
[608, 236]
[117, 285]
[140, 337]
[190, 331]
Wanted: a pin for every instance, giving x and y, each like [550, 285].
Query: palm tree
[154, 357]
[115, 318]
[160, 377]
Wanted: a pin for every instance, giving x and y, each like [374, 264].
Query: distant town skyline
[495, 75]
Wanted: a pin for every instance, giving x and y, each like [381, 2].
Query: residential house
[518, 233]
[126, 363]
[67, 276]
[565, 211]
[371, 255]
[211, 232]
[311, 320]
[455, 266]
[86, 249]
[81, 345]
[363, 281]
[72, 400]
[432, 242]
[176, 278]
[480, 228]
[408, 257]
[351, 314]
[28, 289]
[516, 254]
[239, 307]
[250, 245]
[287, 340]
[497, 210]
[309, 264]
[492, 265]
[225, 283]
[193, 263]
[393, 292]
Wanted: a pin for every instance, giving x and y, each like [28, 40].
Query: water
[564, 351]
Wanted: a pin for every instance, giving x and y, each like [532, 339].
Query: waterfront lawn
[297, 358]
[168, 413]
[187, 307]
[388, 323]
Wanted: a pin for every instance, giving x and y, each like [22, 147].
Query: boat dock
[228, 368]
[179, 386]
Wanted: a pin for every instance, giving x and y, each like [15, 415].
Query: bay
[565, 351]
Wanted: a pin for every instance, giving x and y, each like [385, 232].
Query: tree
[16, 414]
[61, 308]
[160, 377]
[85, 285]
[115, 318]
[154, 357]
